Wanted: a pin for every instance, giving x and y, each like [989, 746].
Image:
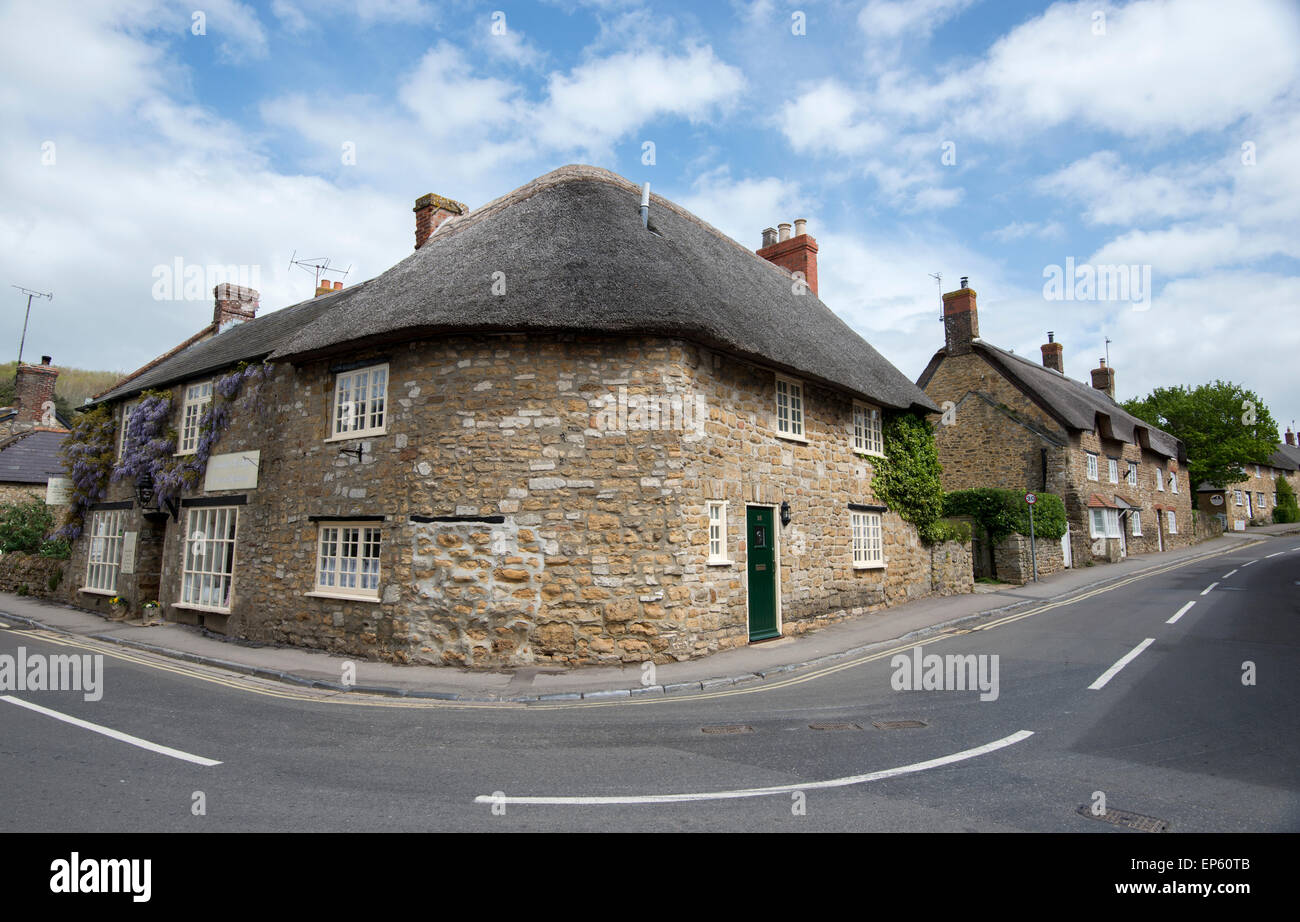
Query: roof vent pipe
[645, 205]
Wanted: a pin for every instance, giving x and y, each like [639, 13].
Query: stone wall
[1014, 560]
[24, 492]
[31, 574]
[540, 500]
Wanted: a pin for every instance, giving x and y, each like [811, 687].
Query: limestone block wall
[1015, 561]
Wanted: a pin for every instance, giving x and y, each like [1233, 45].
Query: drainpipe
[645, 205]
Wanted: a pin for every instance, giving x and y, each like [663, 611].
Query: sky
[1019, 144]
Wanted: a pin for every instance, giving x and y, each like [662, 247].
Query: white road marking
[761, 792]
[1278, 554]
[5, 626]
[1127, 658]
[1229, 573]
[1249, 562]
[109, 732]
[1182, 611]
[1206, 590]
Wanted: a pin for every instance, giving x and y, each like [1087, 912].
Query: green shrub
[1002, 512]
[1287, 509]
[56, 548]
[947, 530]
[55, 578]
[23, 526]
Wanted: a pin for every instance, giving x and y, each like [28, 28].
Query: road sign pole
[1033, 545]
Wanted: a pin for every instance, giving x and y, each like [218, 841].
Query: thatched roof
[575, 258]
[1075, 405]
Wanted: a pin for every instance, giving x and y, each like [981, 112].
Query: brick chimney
[33, 388]
[326, 287]
[430, 211]
[1053, 354]
[961, 322]
[234, 304]
[1290, 436]
[794, 252]
[1103, 379]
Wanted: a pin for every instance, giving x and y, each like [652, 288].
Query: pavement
[911, 621]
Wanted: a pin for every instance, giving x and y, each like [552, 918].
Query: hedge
[1002, 512]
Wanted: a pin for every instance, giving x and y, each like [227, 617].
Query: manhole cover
[898, 724]
[834, 726]
[728, 728]
[1125, 818]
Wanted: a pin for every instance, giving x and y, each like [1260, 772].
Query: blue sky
[987, 139]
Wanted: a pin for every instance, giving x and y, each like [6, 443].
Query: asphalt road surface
[1197, 729]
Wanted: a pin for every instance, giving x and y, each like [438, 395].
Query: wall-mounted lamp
[785, 512]
[144, 491]
[352, 451]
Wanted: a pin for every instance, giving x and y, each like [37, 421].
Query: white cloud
[828, 118]
[1020, 230]
[743, 208]
[1113, 193]
[883, 20]
[237, 29]
[1191, 250]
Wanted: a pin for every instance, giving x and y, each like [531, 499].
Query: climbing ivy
[1001, 512]
[87, 455]
[907, 478]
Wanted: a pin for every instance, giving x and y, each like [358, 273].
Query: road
[1173, 734]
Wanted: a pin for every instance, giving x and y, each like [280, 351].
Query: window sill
[792, 438]
[862, 453]
[210, 609]
[340, 597]
[184, 454]
[868, 566]
[719, 563]
[105, 592]
[352, 436]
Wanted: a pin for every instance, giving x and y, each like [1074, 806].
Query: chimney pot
[338, 286]
[793, 254]
[965, 281]
[800, 226]
[45, 360]
[1290, 436]
[769, 236]
[784, 227]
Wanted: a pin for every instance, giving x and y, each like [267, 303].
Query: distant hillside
[70, 390]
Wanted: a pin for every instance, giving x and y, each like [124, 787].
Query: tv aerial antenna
[938, 278]
[1107, 351]
[31, 293]
[319, 266]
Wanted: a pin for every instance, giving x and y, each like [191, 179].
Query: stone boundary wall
[31, 571]
[1015, 562]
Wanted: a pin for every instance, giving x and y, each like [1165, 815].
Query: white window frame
[716, 521]
[868, 430]
[208, 558]
[1110, 522]
[1263, 502]
[1160, 478]
[1236, 495]
[371, 411]
[1257, 473]
[1172, 520]
[104, 553]
[1173, 481]
[127, 410]
[792, 425]
[197, 397]
[366, 571]
[1132, 476]
[1092, 466]
[1135, 523]
[1112, 469]
[867, 540]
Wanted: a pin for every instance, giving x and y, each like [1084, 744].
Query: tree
[1223, 425]
[1287, 509]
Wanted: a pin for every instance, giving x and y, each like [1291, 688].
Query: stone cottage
[563, 430]
[31, 432]
[1253, 499]
[1013, 423]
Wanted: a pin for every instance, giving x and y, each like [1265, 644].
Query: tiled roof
[31, 456]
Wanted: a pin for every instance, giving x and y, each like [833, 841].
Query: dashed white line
[109, 732]
[1278, 554]
[1124, 661]
[1206, 590]
[1229, 573]
[1182, 611]
[1249, 562]
[581, 800]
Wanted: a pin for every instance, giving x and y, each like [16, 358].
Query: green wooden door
[762, 573]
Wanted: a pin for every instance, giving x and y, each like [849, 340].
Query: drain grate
[1126, 818]
[728, 728]
[898, 724]
[834, 726]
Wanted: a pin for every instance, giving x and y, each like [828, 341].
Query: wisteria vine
[87, 455]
